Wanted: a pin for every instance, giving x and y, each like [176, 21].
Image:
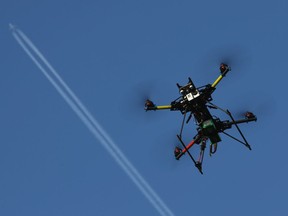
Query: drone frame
[183, 104]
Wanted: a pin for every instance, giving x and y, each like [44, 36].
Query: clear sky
[114, 54]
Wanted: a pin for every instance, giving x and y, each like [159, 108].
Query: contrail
[93, 121]
[86, 117]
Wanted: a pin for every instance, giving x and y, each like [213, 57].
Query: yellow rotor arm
[217, 81]
[224, 68]
[163, 107]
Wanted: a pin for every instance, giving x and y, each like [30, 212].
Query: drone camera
[188, 91]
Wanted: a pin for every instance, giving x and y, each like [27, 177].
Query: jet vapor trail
[85, 116]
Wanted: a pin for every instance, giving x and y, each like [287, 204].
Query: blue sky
[115, 53]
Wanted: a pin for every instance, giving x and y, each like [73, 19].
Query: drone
[196, 103]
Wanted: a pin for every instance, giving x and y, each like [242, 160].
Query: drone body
[196, 102]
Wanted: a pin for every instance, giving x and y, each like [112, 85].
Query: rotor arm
[224, 125]
[185, 147]
[179, 153]
[224, 69]
[174, 106]
[149, 105]
[158, 107]
[246, 120]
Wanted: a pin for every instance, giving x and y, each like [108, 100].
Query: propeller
[263, 106]
[236, 57]
[144, 95]
[139, 93]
